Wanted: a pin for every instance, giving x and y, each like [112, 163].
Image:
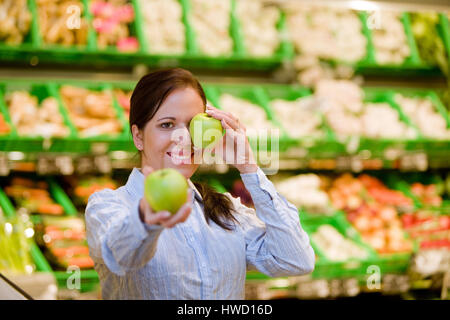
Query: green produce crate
[88, 278]
[444, 30]
[256, 95]
[314, 145]
[336, 269]
[120, 141]
[429, 145]
[35, 143]
[284, 52]
[395, 263]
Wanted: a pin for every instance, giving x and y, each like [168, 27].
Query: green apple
[166, 190]
[205, 130]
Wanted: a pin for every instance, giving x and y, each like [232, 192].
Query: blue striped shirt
[194, 259]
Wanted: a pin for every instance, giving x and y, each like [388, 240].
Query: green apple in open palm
[205, 130]
[166, 190]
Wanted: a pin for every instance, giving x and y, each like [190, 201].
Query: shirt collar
[135, 185]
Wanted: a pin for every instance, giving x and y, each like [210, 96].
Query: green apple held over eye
[166, 190]
[205, 130]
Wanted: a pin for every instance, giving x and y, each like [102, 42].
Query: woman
[203, 251]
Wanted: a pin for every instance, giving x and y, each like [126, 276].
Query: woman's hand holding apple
[239, 152]
[163, 218]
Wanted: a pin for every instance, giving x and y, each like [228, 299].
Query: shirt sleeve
[276, 244]
[116, 235]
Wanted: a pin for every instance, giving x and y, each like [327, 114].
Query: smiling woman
[203, 250]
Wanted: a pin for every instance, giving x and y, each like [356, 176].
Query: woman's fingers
[222, 115]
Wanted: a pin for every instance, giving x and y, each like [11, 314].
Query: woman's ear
[137, 137]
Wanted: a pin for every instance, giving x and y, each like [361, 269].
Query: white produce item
[335, 246]
[259, 27]
[163, 26]
[211, 21]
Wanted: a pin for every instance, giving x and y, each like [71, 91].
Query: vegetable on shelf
[16, 236]
[427, 194]
[123, 98]
[163, 26]
[211, 20]
[57, 23]
[33, 196]
[111, 21]
[259, 27]
[16, 21]
[373, 210]
[335, 246]
[92, 112]
[87, 186]
[4, 126]
[63, 240]
[32, 118]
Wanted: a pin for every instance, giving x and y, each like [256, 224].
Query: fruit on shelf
[373, 210]
[205, 130]
[63, 240]
[305, 192]
[91, 112]
[335, 246]
[62, 22]
[427, 194]
[123, 98]
[87, 186]
[343, 105]
[211, 20]
[16, 21]
[259, 27]
[33, 196]
[111, 21]
[166, 190]
[163, 26]
[32, 118]
[429, 228]
[389, 38]
[16, 236]
[4, 126]
[423, 114]
[326, 33]
[300, 118]
[252, 116]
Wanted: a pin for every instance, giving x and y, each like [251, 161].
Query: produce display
[16, 21]
[326, 33]
[83, 188]
[347, 113]
[63, 241]
[259, 27]
[111, 21]
[4, 127]
[335, 246]
[91, 112]
[306, 192]
[163, 26]
[251, 115]
[123, 97]
[16, 234]
[424, 115]
[32, 118]
[427, 194]
[389, 39]
[211, 20]
[62, 22]
[373, 209]
[300, 118]
[33, 196]
[429, 228]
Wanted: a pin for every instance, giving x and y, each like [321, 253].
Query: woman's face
[165, 141]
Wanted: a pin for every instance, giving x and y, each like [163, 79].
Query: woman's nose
[181, 136]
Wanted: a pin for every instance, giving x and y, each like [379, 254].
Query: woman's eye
[167, 125]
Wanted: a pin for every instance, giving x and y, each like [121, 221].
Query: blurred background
[359, 91]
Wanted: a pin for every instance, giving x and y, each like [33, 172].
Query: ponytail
[217, 206]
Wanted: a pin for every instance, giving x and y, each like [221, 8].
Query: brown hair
[148, 95]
